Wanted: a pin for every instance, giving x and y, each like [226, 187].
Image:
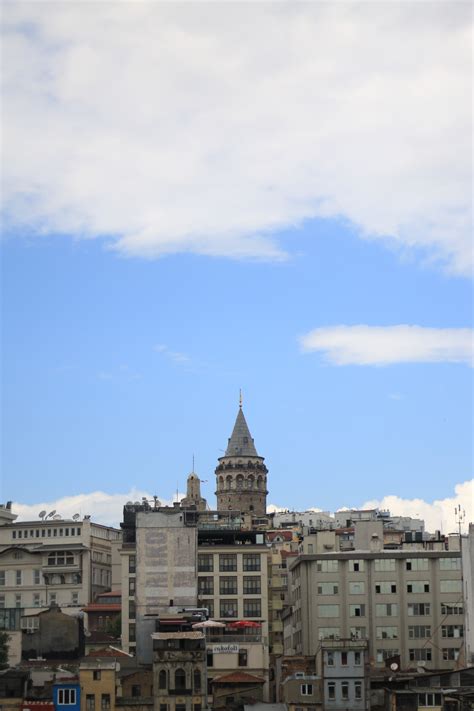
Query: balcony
[182, 692]
[234, 638]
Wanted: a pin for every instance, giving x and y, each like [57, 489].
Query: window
[61, 558]
[420, 655]
[330, 659]
[17, 600]
[345, 690]
[419, 609]
[90, 702]
[356, 566]
[105, 702]
[180, 679]
[358, 689]
[18, 577]
[385, 588]
[454, 631]
[132, 563]
[2, 602]
[228, 586]
[418, 586]
[343, 659]
[131, 610]
[131, 586]
[358, 632]
[227, 562]
[386, 565]
[329, 633]
[205, 563]
[36, 599]
[384, 654]
[197, 680]
[357, 588]
[96, 674]
[210, 661]
[327, 566]
[252, 608]
[450, 586]
[328, 588]
[328, 610]
[132, 633]
[417, 564]
[389, 609]
[252, 585]
[251, 562]
[452, 608]
[2, 577]
[430, 699]
[36, 577]
[66, 697]
[53, 598]
[228, 608]
[136, 690]
[356, 610]
[243, 658]
[357, 659]
[419, 631]
[331, 690]
[163, 707]
[387, 632]
[162, 681]
[306, 689]
[206, 586]
[30, 623]
[450, 563]
[450, 654]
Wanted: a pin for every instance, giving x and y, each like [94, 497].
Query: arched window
[197, 680]
[228, 482]
[179, 679]
[221, 482]
[259, 482]
[162, 680]
[250, 481]
[240, 481]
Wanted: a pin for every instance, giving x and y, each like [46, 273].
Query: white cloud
[169, 127]
[102, 507]
[385, 345]
[437, 515]
[175, 356]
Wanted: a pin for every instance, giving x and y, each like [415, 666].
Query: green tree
[4, 639]
[114, 627]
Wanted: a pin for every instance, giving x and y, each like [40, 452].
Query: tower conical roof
[241, 442]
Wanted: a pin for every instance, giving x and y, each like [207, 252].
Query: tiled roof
[238, 678]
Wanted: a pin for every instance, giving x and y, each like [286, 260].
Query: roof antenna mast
[240, 398]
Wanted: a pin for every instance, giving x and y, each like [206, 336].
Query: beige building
[98, 684]
[53, 560]
[407, 602]
[179, 671]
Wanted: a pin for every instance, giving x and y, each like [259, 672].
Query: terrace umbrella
[207, 624]
[244, 624]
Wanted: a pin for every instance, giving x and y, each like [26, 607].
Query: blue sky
[164, 251]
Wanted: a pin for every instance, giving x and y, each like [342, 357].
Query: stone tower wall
[241, 484]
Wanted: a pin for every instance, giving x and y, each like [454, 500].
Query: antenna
[240, 398]
[42, 514]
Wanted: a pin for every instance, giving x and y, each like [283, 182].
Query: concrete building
[406, 602]
[468, 592]
[179, 671]
[53, 561]
[343, 665]
[241, 475]
[98, 684]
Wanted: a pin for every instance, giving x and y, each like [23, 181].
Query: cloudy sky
[203, 197]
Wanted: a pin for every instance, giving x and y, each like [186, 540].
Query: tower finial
[240, 398]
[193, 462]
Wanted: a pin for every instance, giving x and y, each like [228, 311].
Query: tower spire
[240, 398]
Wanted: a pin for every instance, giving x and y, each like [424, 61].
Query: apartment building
[59, 561]
[407, 602]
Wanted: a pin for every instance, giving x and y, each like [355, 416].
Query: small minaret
[241, 475]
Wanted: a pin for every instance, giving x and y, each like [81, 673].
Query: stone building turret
[193, 493]
[241, 475]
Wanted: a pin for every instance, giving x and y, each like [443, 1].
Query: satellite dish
[76, 517]
[42, 514]
[87, 633]
[394, 666]
[421, 668]
[137, 503]
[51, 513]
[57, 517]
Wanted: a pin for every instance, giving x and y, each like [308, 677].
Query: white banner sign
[225, 648]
